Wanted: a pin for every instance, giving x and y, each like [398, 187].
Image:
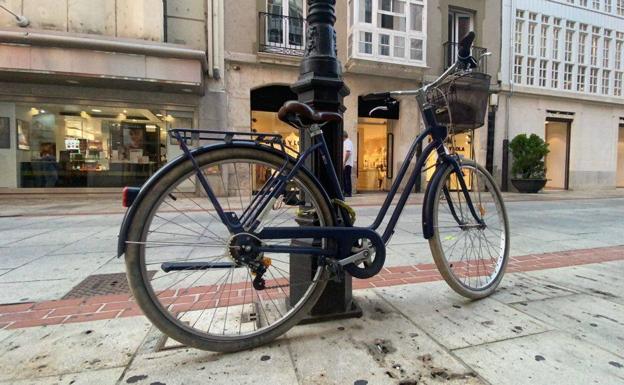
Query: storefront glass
[268, 122]
[78, 146]
[460, 144]
[372, 154]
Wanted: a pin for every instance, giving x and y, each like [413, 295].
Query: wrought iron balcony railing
[281, 35]
[450, 55]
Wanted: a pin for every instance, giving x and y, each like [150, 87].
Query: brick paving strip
[25, 315]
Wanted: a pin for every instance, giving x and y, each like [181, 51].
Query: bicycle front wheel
[471, 257]
[196, 281]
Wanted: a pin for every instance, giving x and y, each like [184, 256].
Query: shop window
[372, 154]
[460, 144]
[268, 122]
[79, 146]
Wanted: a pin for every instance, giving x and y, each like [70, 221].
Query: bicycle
[215, 240]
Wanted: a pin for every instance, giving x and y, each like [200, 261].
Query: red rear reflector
[128, 196]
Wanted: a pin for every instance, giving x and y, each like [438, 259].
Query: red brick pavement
[115, 306]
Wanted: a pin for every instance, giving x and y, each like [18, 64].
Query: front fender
[131, 212]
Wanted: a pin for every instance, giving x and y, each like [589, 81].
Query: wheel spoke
[477, 265]
[220, 302]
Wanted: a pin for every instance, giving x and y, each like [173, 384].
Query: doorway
[265, 102]
[374, 146]
[558, 159]
[619, 180]
[461, 144]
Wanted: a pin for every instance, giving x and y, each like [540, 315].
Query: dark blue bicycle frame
[277, 184]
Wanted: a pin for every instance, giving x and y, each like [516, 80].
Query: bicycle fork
[464, 187]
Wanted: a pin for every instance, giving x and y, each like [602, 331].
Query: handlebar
[464, 61]
[376, 96]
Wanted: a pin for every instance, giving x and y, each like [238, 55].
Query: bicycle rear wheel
[218, 307]
[471, 258]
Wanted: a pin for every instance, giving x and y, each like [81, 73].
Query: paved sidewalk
[558, 317]
[555, 326]
[12, 205]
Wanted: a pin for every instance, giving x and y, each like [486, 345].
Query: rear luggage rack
[196, 138]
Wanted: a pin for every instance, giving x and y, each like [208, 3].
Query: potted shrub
[528, 169]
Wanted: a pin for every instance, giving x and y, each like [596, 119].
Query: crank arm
[355, 258]
[178, 266]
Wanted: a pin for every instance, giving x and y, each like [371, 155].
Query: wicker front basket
[461, 101]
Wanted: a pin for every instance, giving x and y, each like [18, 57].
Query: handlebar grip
[465, 44]
[376, 96]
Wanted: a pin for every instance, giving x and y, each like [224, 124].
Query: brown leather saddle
[293, 111]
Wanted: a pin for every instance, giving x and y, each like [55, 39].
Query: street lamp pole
[320, 85]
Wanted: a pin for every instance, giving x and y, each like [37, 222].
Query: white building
[562, 79]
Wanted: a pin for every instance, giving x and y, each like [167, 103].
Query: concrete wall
[241, 26]
[186, 23]
[593, 138]
[136, 19]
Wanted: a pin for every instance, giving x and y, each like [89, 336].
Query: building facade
[562, 79]
[88, 88]
[382, 45]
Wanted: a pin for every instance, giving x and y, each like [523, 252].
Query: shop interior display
[71, 146]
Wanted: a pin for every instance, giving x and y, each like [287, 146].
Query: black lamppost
[320, 85]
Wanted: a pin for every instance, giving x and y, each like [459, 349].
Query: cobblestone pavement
[557, 318]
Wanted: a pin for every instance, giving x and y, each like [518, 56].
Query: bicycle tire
[137, 275]
[435, 242]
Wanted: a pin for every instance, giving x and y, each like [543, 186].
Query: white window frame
[285, 44]
[360, 26]
[617, 83]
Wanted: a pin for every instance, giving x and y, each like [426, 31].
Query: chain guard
[367, 268]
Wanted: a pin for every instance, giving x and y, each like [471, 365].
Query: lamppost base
[354, 311]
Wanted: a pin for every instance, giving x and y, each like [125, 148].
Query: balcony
[282, 35]
[450, 55]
